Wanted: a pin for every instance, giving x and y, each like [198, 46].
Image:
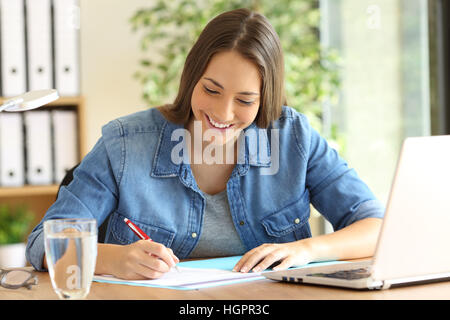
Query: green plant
[15, 223]
[170, 28]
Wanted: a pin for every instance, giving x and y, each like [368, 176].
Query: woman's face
[227, 96]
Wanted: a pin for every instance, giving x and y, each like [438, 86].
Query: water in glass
[71, 253]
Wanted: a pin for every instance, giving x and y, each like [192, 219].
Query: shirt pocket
[124, 235]
[289, 223]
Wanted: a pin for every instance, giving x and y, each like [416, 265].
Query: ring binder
[12, 37]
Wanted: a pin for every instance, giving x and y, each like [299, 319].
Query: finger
[131, 275]
[238, 265]
[150, 261]
[244, 259]
[175, 258]
[285, 264]
[256, 257]
[160, 251]
[268, 260]
[135, 270]
[146, 272]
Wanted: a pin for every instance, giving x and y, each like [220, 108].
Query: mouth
[218, 125]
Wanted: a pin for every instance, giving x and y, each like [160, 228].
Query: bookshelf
[40, 198]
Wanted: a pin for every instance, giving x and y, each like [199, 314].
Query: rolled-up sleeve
[336, 190]
[367, 209]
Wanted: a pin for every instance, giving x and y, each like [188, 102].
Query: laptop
[414, 242]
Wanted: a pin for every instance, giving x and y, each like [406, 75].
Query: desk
[259, 290]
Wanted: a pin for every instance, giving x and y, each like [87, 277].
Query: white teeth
[218, 125]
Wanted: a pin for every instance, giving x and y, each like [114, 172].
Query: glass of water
[71, 255]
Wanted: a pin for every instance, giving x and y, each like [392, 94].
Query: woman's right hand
[140, 260]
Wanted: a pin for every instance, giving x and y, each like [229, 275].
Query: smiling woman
[221, 109]
[253, 66]
[225, 106]
[232, 82]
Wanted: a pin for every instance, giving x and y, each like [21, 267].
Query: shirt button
[241, 223]
[194, 235]
[297, 221]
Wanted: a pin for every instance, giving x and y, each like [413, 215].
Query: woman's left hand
[288, 254]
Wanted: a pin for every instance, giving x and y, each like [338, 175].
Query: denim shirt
[131, 173]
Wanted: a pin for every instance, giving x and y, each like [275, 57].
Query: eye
[245, 102]
[209, 90]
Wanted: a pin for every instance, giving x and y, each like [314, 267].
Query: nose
[225, 111]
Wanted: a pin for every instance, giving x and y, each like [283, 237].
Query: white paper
[188, 278]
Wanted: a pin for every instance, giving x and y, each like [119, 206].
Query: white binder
[38, 147]
[66, 42]
[65, 142]
[39, 40]
[12, 37]
[11, 150]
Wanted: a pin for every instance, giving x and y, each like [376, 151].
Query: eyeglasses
[14, 279]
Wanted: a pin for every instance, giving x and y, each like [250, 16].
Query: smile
[218, 125]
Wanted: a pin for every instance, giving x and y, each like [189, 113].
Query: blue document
[225, 263]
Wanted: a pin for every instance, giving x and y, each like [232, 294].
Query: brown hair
[250, 34]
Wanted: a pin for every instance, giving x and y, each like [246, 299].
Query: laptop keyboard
[354, 274]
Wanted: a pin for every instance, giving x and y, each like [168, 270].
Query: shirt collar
[254, 152]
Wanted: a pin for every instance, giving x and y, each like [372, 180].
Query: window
[384, 53]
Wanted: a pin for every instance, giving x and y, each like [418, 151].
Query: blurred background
[367, 73]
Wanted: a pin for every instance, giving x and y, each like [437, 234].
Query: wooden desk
[255, 290]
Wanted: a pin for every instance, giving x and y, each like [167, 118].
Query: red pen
[141, 234]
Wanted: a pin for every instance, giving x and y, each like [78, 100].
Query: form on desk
[195, 274]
